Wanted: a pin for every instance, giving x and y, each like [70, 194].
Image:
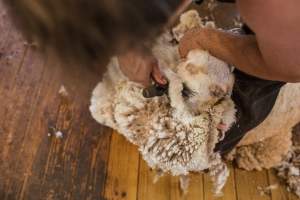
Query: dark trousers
[254, 99]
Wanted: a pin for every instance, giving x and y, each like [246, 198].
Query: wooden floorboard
[248, 183]
[123, 170]
[161, 190]
[34, 164]
[195, 190]
[39, 166]
[229, 191]
[280, 193]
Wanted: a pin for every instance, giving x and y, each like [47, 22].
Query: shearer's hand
[139, 67]
[192, 40]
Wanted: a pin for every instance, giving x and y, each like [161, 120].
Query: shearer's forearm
[239, 50]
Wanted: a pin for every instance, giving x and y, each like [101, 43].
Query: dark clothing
[254, 99]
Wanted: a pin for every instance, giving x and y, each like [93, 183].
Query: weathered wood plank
[148, 190]
[195, 190]
[20, 105]
[123, 169]
[12, 50]
[292, 196]
[75, 167]
[280, 193]
[33, 165]
[247, 183]
[229, 191]
[71, 168]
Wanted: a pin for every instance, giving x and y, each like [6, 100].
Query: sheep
[175, 134]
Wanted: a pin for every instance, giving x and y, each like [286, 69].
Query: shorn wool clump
[175, 133]
[289, 169]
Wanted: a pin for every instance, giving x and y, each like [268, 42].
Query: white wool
[174, 134]
[294, 171]
[62, 91]
[172, 142]
[289, 170]
[184, 183]
[59, 134]
[190, 20]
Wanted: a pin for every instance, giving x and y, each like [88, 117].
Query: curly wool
[174, 134]
[167, 141]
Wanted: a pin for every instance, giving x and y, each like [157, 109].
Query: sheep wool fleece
[174, 133]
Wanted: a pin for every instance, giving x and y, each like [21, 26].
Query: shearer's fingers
[190, 41]
[158, 76]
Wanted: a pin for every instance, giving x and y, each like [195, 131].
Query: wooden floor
[89, 162]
